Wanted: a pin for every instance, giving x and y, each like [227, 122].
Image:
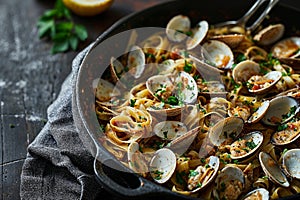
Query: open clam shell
[219, 54]
[289, 134]
[230, 175]
[281, 110]
[259, 193]
[105, 90]
[212, 89]
[162, 165]
[265, 83]
[177, 28]
[208, 176]
[291, 163]
[136, 159]
[272, 169]
[270, 34]
[287, 48]
[199, 33]
[169, 130]
[166, 67]
[259, 113]
[232, 40]
[252, 142]
[226, 130]
[180, 144]
[136, 61]
[244, 70]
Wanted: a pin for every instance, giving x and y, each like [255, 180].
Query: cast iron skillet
[118, 178]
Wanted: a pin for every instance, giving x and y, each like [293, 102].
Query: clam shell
[135, 158]
[116, 67]
[219, 54]
[270, 34]
[260, 112]
[180, 144]
[136, 60]
[177, 27]
[228, 174]
[215, 89]
[288, 135]
[243, 71]
[166, 67]
[214, 163]
[162, 165]
[199, 33]
[264, 194]
[232, 40]
[158, 82]
[291, 163]
[287, 48]
[169, 130]
[257, 138]
[272, 169]
[279, 107]
[104, 90]
[226, 129]
[273, 75]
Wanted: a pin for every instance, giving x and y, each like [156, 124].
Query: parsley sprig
[57, 24]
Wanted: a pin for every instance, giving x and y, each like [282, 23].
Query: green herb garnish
[57, 24]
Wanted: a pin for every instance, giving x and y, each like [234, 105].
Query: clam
[260, 112]
[136, 61]
[288, 52]
[169, 130]
[232, 40]
[263, 84]
[198, 34]
[246, 145]
[204, 175]
[174, 90]
[104, 90]
[180, 144]
[281, 110]
[270, 34]
[166, 67]
[272, 169]
[212, 89]
[162, 165]
[177, 28]
[259, 193]
[287, 48]
[288, 133]
[291, 163]
[226, 130]
[136, 159]
[229, 184]
[116, 69]
[218, 54]
[244, 70]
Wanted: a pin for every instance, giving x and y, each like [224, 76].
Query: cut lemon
[88, 7]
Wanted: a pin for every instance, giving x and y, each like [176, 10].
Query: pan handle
[121, 181]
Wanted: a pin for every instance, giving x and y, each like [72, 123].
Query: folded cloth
[58, 166]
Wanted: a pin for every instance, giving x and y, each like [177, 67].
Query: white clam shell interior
[272, 169]
[136, 59]
[168, 130]
[260, 112]
[287, 48]
[262, 191]
[244, 70]
[177, 27]
[162, 165]
[104, 89]
[199, 33]
[257, 138]
[219, 54]
[273, 75]
[291, 162]
[279, 106]
[224, 129]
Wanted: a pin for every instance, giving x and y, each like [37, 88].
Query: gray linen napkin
[58, 166]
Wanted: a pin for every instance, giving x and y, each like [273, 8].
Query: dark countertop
[30, 77]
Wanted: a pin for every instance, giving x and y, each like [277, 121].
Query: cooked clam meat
[287, 133]
[258, 82]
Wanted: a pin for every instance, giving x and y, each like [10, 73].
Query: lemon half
[88, 7]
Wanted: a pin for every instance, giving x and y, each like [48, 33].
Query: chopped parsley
[187, 66]
[172, 100]
[157, 174]
[282, 127]
[193, 173]
[132, 102]
[251, 145]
